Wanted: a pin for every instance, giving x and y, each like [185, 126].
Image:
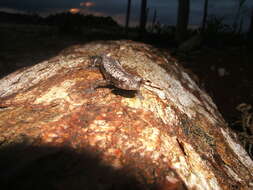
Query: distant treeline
[58, 19]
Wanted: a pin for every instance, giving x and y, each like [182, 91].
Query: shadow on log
[47, 167]
[172, 138]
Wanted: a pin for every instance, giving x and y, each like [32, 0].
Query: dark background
[166, 10]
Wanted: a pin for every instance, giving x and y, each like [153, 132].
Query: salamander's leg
[101, 83]
[98, 84]
[139, 95]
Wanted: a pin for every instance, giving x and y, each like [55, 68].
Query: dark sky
[166, 9]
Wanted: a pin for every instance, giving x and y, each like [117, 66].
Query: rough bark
[182, 20]
[57, 134]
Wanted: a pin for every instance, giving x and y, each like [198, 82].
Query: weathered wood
[173, 138]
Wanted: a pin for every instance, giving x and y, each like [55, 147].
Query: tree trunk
[154, 20]
[128, 15]
[182, 20]
[58, 133]
[250, 31]
[238, 21]
[204, 16]
[143, 18]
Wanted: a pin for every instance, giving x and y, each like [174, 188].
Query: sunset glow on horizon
[82, 4]
[166, 10]
[74, 10]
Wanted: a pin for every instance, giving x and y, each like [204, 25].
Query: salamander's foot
[139, 95]
[89, 90]
[97, 84]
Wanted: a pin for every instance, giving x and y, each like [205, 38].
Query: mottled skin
[115, 74]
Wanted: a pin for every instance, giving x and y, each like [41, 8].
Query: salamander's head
[96, 60]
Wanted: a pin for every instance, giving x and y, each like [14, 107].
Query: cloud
[10, 10]
[39, 5]
[87, 4]
[166, 10]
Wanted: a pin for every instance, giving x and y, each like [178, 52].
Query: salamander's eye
[96, 60]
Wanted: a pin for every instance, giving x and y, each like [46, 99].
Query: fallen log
[57, 133]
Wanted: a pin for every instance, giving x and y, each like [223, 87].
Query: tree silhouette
[182, 20]
[250, 31]
[154, 20]
[128, 14]
[204, 16]
[143, 17]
